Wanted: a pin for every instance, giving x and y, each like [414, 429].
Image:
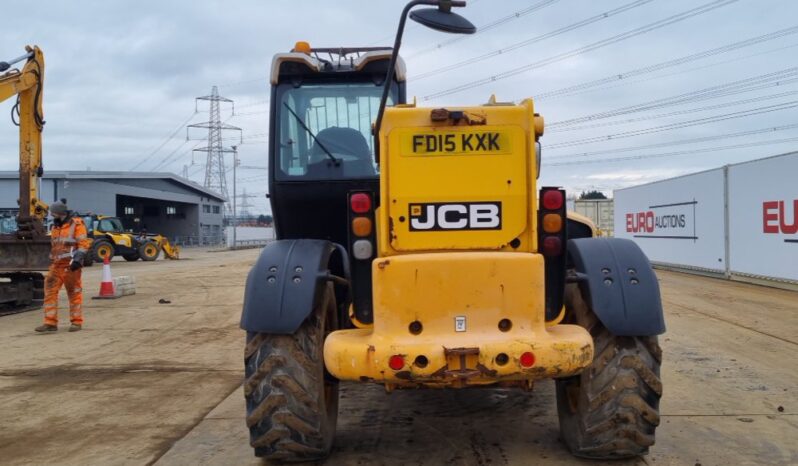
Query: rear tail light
[552, 241]
[362, 249]
[552, 246]
[553, 199]
[361, 226]
[552, 223]
[360, 203]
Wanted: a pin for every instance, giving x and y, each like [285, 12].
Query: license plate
[471, 142]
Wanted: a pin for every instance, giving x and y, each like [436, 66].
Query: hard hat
[58, 208]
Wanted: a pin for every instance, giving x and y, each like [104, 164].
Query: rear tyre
[102, 248]
[149, 251]
[132, 257]
[611, 409]
[292, 402]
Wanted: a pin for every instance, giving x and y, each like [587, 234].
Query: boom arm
[28, 85]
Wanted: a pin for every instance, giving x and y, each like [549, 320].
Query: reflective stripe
[71, 234]
[80, 237]
[83, 250]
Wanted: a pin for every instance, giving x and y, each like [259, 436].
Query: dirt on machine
[427, 256]
[24, 244]
[109, 239]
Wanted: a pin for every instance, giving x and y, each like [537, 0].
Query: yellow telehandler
[111, 239]
[426, 255]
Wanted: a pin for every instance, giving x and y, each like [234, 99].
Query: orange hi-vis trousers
[58, 275]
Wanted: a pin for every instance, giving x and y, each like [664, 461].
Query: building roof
[111, 175]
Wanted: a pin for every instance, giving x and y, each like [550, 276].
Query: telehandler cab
[426, 256]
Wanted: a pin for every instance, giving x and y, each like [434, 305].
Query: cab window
[325, 130]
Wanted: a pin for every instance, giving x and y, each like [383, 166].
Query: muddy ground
[158, 383]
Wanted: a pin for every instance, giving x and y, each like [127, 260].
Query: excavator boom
[26, 251]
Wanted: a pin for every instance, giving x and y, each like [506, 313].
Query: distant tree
[592, 195]
[269, 220]
[261, 219]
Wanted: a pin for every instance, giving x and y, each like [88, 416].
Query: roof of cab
[348, 60]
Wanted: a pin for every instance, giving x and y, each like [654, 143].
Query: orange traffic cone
[107, 285]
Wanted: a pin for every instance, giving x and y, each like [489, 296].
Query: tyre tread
[617, 409]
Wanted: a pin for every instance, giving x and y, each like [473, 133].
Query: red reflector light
[396, 362]
[527, 359]
[360, 202]
[552, 199]
[552, 246]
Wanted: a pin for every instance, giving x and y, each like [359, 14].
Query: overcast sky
[122, 77]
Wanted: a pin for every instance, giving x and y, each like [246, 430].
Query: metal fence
[198, 240]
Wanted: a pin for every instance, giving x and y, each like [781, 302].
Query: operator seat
[346, 141]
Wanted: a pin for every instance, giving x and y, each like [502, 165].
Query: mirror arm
[392, 69]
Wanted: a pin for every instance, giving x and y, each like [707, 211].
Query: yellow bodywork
[458, 287]
[479, 289]
[27, 85]
[169, 251]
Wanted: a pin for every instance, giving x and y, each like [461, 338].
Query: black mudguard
[285, 285]
[619, 284]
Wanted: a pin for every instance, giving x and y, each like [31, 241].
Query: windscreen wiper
[302, 123]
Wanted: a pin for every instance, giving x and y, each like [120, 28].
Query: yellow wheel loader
[426, 255]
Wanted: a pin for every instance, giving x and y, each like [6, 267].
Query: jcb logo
[456, 216]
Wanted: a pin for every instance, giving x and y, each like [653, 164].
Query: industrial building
[164, 203]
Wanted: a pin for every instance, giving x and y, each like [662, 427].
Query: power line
[487, 27]
[676, 73]
[678, 112]
[673, 154]
[669, 63]
[588, 48]
[776, 78]
[170, 158]
[679, 125]
[548, 35]
[165, 141]
[735, 134]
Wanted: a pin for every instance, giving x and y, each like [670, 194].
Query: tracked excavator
[24, 251]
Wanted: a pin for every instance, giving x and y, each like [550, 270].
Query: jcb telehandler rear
[427, 256]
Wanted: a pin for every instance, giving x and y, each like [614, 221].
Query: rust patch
[404, 375]
[382, 264]
[440, 373]
[485, 371]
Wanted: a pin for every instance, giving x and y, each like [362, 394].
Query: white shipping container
[600, 211]
[763, 217]
[679, 221]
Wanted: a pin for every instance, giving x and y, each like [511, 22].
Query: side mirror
[439, 19]
[442, 20]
